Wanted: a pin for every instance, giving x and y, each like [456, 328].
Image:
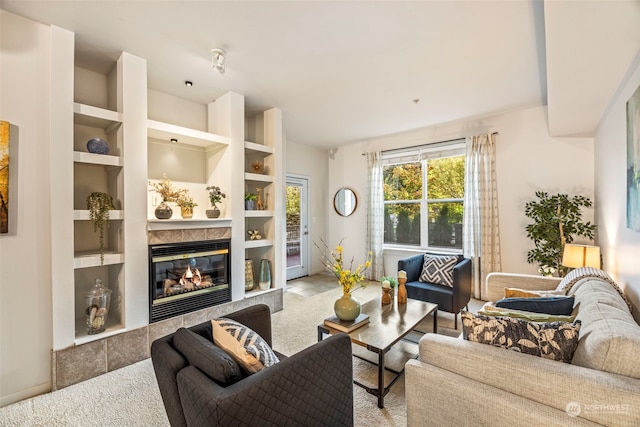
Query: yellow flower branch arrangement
[350, 279]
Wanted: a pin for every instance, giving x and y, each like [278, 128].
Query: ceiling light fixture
[218, 56]
[188, 83]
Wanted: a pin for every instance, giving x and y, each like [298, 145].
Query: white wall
[527, 160]
[25, 267]
[620, 246]
[311, 162]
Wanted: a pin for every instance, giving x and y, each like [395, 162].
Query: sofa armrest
[496, 282]
[313, 387]
[551, 383]
[413, 266]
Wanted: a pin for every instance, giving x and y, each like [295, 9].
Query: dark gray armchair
[312, 388]
[448, 299]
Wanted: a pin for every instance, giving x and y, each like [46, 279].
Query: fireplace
[188, 276]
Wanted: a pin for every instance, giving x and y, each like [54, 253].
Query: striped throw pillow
[243, 344]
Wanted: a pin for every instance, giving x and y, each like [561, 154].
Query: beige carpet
[130, 396]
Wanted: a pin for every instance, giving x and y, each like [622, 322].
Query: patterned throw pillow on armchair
[438, 269]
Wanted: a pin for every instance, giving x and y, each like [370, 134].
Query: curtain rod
[421, 145]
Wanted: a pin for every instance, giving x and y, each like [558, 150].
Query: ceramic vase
[98, 146]
[214, 212]
[163, 211]
[347, 308]
[264, 278]
[248, 275]
[186, 212]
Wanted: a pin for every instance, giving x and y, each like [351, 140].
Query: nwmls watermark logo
[573, 409]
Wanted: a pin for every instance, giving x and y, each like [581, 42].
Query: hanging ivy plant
[99, 205]
[557, 220]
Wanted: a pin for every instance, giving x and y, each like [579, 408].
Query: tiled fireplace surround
[82, 362]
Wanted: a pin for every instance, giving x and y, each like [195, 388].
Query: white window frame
[422, 154]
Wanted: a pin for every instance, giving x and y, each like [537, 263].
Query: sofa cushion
[525, 293]
[489, 309]
[243, 344]
[560, 305]
[610, 337]
[208, 357]
[555, 340]
[438, 269]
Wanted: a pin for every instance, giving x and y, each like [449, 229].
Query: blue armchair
[450, 299]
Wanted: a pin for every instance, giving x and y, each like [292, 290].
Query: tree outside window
[424, 202]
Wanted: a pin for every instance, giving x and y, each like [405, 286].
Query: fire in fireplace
[188, 276]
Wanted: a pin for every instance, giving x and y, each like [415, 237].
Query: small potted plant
[250, 201]
[169, 193]
[186, 203]
[215, 196]
[99, 205]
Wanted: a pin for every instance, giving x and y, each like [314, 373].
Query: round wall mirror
[345, 201]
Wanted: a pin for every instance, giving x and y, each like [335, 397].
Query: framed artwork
[4, 177]
[633, 161]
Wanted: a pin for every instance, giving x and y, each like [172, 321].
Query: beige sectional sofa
[457, 382]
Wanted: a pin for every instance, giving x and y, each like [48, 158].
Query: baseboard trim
[25, 394]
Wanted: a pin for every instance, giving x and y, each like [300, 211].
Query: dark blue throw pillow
[560, 305]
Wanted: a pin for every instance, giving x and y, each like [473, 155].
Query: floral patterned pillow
[555, 340]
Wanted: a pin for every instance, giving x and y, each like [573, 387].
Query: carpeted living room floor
[130, 396]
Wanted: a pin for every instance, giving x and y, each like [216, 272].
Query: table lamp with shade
[576, 256]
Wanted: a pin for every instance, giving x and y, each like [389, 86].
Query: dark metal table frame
[376, 311]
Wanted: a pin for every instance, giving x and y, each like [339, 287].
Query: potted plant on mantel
[168, 193]
[99, 205]
[186, 203]
[215, 196]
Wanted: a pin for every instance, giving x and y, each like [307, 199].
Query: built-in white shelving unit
[114, 106]
[89, 104]
[264, 149]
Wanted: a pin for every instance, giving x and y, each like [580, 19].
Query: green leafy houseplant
[99, 205]
[185, 200]
[252, 197]
[215, 195]
[557, 220]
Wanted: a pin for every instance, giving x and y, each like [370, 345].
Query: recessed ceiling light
[188, 83]
[174, 140]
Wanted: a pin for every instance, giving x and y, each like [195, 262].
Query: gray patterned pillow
[243, 344]
[438, 269]
[555, 340]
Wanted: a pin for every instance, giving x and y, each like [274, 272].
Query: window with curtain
[424, 195]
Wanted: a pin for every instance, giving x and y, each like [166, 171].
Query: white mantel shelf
[182, 224]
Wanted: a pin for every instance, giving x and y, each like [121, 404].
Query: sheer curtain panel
[481, 241]
[375, 216]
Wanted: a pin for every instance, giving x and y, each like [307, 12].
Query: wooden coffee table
[387, 325]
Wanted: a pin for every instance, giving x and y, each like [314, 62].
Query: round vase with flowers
[347, 308]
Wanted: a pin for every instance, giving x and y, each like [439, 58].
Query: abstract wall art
[4, 177]
[633, 161]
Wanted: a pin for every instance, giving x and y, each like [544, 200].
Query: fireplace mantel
[187, 224]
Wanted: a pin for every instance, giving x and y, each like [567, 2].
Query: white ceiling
[344, 71]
